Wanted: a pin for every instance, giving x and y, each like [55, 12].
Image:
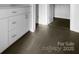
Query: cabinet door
[22, 25]
[3, 35]
[13, 36]
[18, 28]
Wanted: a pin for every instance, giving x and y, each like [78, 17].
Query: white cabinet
[3, 34]
[13, 27]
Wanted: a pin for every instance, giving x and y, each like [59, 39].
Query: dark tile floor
[48, 40]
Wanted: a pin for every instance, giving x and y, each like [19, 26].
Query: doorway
[56, 13]
[62, 15]
[37, 15]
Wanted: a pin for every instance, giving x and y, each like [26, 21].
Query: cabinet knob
[14, 36]
[26, 16]
[13, 11]
[14, 22]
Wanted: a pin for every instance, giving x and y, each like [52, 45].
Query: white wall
[42, 14]
[74, 22]
[33, 18]
[50, 13]
[45, 14]
[62, 11]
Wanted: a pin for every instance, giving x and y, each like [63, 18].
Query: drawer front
[11, 12]
[12, 23]
[17, 11]
[13, 36]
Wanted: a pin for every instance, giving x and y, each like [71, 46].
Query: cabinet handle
[26, 16]
[14, 12]
[14, 22]
[14, 36]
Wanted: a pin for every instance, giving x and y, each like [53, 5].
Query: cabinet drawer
[11, 12]
[16, 11]
[12, 23]
[13, 36]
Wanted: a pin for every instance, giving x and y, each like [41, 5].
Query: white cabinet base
[3, 34]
